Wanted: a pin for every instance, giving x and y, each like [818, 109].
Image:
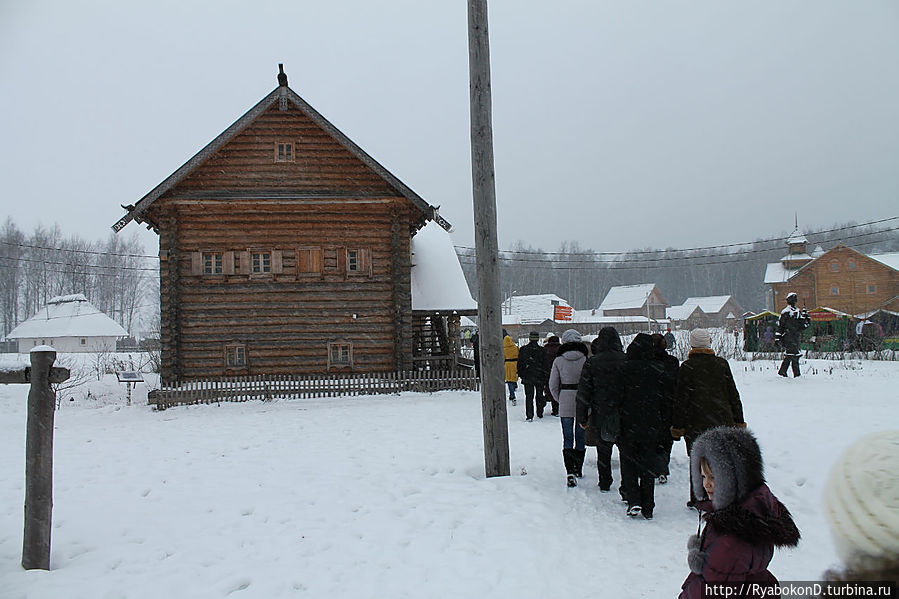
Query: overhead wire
[708, 247]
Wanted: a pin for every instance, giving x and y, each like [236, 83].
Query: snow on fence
[245, 388]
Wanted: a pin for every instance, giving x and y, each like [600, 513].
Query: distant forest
[583, 277]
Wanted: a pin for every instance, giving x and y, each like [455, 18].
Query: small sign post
[128, 377]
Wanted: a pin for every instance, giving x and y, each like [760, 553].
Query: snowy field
[386, 496]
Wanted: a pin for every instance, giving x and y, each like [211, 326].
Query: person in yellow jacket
[510, 353]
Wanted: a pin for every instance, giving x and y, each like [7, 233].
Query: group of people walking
[641, 399]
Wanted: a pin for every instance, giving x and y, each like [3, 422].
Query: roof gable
[280, 94]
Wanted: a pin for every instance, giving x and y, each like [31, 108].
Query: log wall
[323, 198]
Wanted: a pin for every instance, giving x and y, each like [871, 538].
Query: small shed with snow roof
[68, 323]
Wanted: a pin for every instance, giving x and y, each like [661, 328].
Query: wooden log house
[284, 248]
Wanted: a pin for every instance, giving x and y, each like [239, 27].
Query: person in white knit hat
[861, 501]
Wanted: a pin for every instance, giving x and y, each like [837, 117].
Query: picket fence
[245, 388]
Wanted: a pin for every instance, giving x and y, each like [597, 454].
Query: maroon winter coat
[738, 542]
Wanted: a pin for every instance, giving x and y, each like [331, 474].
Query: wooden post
[39, 463]
[493, 395]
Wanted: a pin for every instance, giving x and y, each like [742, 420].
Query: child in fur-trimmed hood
[744, 521]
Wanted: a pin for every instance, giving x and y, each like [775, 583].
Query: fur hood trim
[761, 519]
[735, 459]
[573, 346]
[697, 351]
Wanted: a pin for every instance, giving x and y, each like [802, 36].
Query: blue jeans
[512, 386]
[572, 435]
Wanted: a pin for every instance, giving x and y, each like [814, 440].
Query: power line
[76, 265]
[92, 252]
[709, 247]
[621, 259]
[562, 265]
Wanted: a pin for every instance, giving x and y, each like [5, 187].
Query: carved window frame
[340, 355]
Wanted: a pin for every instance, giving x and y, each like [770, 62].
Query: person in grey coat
[563, 383]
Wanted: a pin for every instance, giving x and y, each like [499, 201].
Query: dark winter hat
[553, 339]
[607, 340]
[735, 459]
[792, 296]
[534, 336]
[861, 500]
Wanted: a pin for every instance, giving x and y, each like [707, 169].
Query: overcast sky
[618, 125]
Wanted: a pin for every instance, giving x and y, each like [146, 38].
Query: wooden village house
[286, 249]
[841, 278]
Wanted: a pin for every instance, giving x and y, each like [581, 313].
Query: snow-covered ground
[386, 496]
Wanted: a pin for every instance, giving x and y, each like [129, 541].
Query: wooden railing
[245, 388]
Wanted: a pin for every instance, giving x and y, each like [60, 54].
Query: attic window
[852, 264]
[872, 288]
[834, 266]
[84, 342]
[283, 152]
[834, 290]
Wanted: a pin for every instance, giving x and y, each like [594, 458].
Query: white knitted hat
[861, 499]
[700, 338]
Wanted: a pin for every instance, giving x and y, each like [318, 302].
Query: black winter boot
[570, 466]
[579, 455]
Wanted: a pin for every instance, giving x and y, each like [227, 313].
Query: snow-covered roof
[682, 312]
[890, 259]
[709, 304]
[796, 237]
[68, 316]
[818, 251]
[627, 296]
[465, 321]
[802, 256]
[438, 284]
[776, 273]
[530, 309]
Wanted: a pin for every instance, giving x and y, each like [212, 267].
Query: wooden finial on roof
[282, 76]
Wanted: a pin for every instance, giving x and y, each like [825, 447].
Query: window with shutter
[309, 261]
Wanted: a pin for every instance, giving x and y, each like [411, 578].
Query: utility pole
[490, 324]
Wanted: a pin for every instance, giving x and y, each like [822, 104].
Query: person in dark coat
[641, 410]
[671, 364]
[551, 351]
[706, 395]
[791, 323]
[744, 521]
[530, 371]
[597, 395]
